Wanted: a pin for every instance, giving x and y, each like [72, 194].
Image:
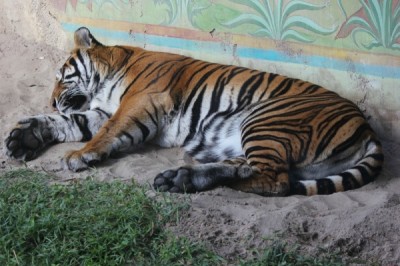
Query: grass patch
[280, 254]
[97, 223]
[87, 223]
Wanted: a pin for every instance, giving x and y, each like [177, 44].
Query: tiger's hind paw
[78, 161]
[27, 139]
[175, 181]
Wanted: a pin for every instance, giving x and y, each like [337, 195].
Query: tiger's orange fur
[254, 131]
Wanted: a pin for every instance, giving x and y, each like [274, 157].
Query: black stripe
[366, 177]
[325, 186]
[128, 56]
[235, 71]
[376, 156]
[123, 75]
[331, 115]
[143, 128]
[311, 89]
[353, 139]
[83, 63]
[287, 87]
[198, 85]
[77, 73]
[282, 88]
[219, 89]
[349, 181]
[152, 117]
[374, 169]
[252, 149]
[218, 124]
[277, 104]
[82, 122]
[155, 109]
[243, 90]
[278, 88]
[160, 67]
[268, 157]
[298, 188]
[136, 78]
[98, 109]
[327, 138]
[196, 113]
[176, 77]
[96, 82]
[250, 93]
[128, 136]
[271, 78]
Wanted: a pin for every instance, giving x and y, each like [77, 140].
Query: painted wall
[352, 47]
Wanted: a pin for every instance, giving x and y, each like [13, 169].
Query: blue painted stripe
[244, 52]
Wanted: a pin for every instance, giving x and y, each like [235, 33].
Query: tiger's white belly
[172, 133]
[216, 140]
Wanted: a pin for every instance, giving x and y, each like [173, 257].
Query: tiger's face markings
[76, 81]
[71, 92]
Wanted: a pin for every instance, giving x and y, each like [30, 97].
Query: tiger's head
[79, 77]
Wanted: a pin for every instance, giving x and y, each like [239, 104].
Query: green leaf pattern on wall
[275, 19]
[363, 24]
[377, 19]
[181, 12]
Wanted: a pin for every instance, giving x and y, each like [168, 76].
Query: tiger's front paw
[176, 181]
[27, 139]
[79, 160]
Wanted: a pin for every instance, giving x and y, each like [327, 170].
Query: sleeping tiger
[252, 131]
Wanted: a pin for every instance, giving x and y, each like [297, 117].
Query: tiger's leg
[33, 134]
[192, 178]
[267, 149]
[131, 125]
[236, 173]
[270, 146]
[266, 180]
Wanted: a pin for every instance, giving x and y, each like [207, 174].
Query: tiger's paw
[79, 160]
[27, 139]
[175, 181]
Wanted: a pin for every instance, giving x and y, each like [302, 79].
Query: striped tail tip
[364, 172]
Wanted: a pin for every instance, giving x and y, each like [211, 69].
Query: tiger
[245, 129]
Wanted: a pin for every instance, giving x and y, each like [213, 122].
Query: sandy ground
[360, 224]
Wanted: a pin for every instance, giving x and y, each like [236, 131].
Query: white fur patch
[338, 181]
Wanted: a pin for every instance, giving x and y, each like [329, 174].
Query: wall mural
[276, 20]
[378, 19]
[357, 25]
[182, 12]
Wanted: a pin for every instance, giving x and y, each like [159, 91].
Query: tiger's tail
[363, 172]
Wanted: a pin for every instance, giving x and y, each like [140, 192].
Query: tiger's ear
[84, 39]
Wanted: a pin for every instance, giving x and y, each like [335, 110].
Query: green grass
[87, 223]
[97, 223]
[281, 254]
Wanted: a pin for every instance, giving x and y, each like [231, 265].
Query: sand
[359, 224]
